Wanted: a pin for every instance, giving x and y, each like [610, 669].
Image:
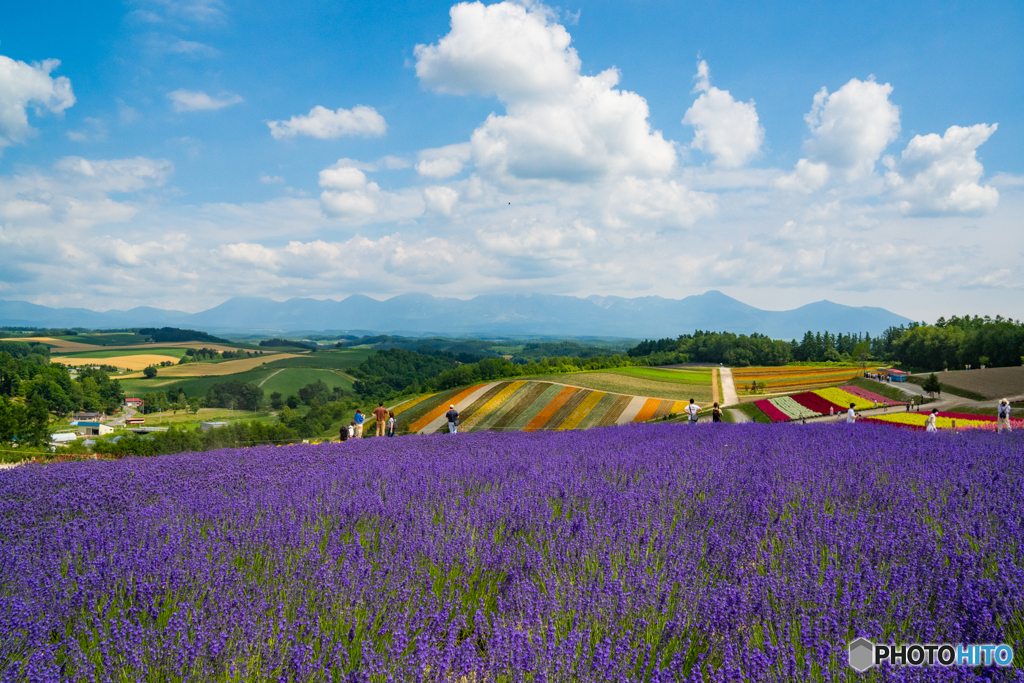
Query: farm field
[678, 385]
[289, 380]
[944, 420]
[821, 402]
[183, 419]
[130, 361]
[788, 378]
[642, 553]
[528, 405]
[177, 353]
[990, 382]
[220, 368]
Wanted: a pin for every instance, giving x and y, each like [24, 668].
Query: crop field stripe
[485, 415]
[664, 408]
[615, 410]
[440, 409]
[632, 409]
[440, 424]
[515, 406]
[583, 410]
[646, 411]
[548, 411]
[416, 412]
[567, 409]
[478, 403]
[402, 407]
[461, 402]
[679, 406]
[526, 411]
[599, 411]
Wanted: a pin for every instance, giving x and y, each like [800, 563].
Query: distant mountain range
[485, 315]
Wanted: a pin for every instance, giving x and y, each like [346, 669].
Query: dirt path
[729, 397]
[268, 377]
[715, 398]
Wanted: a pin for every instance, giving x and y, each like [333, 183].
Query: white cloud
[24, 84]
[196, 100]
[806, 177]
[727, 129]
[394, 163]
[655, 201]
[440, 199]
[115, 175]
[559, 124]
[348, 194]
[270, 179]
[325, 124]
[940, 174]
[443, 162]
[852, 127]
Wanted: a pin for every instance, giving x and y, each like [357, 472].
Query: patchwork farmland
[528, 405]
[786, 379]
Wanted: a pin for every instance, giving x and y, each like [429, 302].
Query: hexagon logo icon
[862, 655]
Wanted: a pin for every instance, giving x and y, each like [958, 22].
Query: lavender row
[639, 553]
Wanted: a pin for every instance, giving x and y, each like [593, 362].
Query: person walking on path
[851, 414]
[693, 410]
[716, 413]
[453, 419]
[1003, 416]
[358, 422]
[389, 429]
[931, 426]
[380, 414]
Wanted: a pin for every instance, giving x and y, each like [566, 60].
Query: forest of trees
[953, 343]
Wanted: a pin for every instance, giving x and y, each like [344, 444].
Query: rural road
[729, 397]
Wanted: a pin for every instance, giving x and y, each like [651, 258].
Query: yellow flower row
[843, 398]
[491, 405]
[921, 420]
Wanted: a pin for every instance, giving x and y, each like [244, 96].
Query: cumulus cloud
[440, 199]
[559, 124]
[325, 124]
[348, 194]
[849, 131]
[724, 128]
[24, 84]
[657, 201]
[196, 100]
[443, 162]
[940, 173]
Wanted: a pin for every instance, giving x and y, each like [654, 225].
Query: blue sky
[185, 152]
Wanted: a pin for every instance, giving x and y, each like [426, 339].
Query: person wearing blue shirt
[360, 418]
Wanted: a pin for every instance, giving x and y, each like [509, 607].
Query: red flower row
[773, 413]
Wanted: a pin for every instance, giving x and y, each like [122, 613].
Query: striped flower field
[833, 400]
[958, 421]
[528, 406]
[793, 378]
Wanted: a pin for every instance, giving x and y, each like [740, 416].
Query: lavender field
[638, 553]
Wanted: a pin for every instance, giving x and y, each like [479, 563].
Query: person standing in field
[343, 435]
[693, 410]
[930, 426]
[851, 414]
[389, 429]
[358, 422]
[453, 419]
[1003, 416]
[716, 413]
[380, 414]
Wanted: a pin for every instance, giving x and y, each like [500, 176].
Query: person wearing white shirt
[931, 426]
[693, 410]
[851, 415]
[1003, 416]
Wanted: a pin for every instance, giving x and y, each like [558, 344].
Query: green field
[112, 339]
[337, 360]
[679, 385]
[117, 353]
[286, 375]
